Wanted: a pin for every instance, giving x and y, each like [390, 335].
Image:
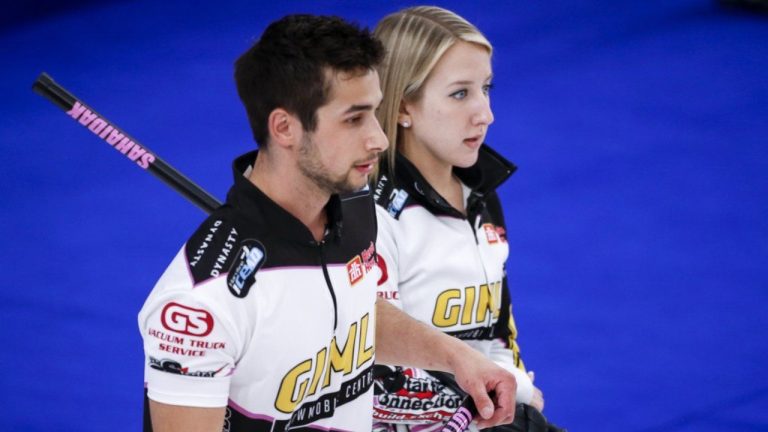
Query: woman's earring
[405, 124]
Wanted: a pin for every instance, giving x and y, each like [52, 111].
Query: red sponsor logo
[502, 233]
[369, 257]
[361, 264]
[383, 267]
[388, 295]
[490, 233]
[355, 269]
[186, 320]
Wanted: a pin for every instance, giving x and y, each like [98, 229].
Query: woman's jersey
[447, 269]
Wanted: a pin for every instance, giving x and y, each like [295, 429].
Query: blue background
[637, 221]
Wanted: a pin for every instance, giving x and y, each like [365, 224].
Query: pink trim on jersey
[189, 272]
[192, 279]
[249, 414]
[422, 427]
[263, 270]
[255, 416]
[225, 274]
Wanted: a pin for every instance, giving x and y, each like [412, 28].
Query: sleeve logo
[361, 264]
[397, 203]
[490, 233]
[242, 274]
[174, 367]
[355, 269]
[383, 267]
[186, 320]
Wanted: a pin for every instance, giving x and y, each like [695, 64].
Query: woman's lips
[474, 142]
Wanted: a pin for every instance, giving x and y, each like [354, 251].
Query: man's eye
[461, 94]
[354, 120]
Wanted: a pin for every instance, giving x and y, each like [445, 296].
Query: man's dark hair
[286, 67]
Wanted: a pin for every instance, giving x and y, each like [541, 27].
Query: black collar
[246, 197]
[487, 174]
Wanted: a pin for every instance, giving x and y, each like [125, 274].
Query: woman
[442, 242]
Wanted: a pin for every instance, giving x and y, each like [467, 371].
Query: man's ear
[284, 128]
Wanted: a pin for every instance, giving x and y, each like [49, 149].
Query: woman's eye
[487, 88]
[461, 94]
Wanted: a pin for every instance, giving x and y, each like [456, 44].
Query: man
[264, 321]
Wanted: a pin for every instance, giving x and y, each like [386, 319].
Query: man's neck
[287, 187]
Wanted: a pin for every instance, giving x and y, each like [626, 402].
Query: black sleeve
[505, 328]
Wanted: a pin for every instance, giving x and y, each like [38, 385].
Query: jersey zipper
[472, 212]
[474, 229]
[329, 284]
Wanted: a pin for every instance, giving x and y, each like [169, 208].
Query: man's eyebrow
[357, 108]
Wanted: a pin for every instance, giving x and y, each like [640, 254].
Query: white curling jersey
[447, 270]
[255, 315]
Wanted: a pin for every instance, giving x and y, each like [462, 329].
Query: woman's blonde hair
[415, 39]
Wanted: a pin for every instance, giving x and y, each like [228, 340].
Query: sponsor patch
[490, 233]
[369, 257]
[355, 269]
[502, 234]
[383, 268]
[397, 203]
[174, 367]
[242, 274]
[361, 264]
[186, 320]
[403, 397]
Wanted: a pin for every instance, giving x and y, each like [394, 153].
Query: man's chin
[352, 186]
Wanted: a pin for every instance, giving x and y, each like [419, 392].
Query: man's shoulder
[216, 244]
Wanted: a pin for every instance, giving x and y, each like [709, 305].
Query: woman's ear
[403, 116]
